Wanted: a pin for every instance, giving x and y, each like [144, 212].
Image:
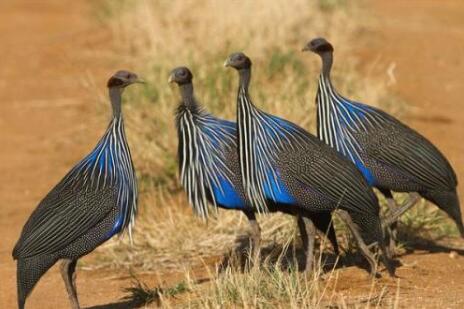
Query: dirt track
[48, 50]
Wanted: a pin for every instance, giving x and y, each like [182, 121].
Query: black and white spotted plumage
[283, 163]
[94, 201]
[206, 144]
[285, 152]
[391, 155]
[209, 165]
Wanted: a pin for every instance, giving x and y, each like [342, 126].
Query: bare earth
[49, 51]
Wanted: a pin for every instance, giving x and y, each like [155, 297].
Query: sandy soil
[49, 51]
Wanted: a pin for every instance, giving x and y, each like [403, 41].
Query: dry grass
[200, 34]
[153, 37]
[269, 286]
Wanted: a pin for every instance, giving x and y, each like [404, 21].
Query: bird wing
[411, 152]
[319, 168]
[65, 214]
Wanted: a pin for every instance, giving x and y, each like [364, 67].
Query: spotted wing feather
[321, 169]
[62, 216]
[361, 133]
[409, 152]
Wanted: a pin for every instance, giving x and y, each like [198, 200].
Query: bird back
[361, 132]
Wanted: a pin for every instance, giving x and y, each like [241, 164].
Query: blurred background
[56, 55]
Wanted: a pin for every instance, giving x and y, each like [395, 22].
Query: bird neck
[115, 98]
[186, 92]
[327, 60]
[244, 79]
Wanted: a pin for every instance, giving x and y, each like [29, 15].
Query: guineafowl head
[319, 46]
[180, 76]
[238, 61]
[122, 79]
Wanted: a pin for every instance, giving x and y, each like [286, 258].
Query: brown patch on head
[319, 46]
[238, 61]
[122, 78]
[115, 82]
[181, 75]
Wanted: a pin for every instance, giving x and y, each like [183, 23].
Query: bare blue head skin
[325, 50]
[242, 64]
[116, 85]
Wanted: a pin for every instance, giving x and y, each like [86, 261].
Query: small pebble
[453, 254]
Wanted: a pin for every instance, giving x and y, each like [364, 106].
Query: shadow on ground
[433, 246]
[294, 258]
[119, 305]
[290, 257]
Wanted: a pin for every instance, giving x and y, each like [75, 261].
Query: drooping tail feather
[448, 201]
[28, 273]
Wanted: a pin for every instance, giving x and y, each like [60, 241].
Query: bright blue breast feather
[276, 190]
[110, 165]
[274, 134]
[371, 180]
[219, 132]
[339, 119]
[226, 196]
[351, 112]
[102, 158]
[205, 172]
[355, 115]
[117, 227]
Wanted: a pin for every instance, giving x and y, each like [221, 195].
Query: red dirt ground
[49, 50]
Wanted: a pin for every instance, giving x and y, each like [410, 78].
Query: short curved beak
[227, 63]
[139, 81]
[171, 79]
[306, 48]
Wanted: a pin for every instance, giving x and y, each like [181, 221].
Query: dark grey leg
[345, 216]
[391, 229]
[68, 272]
[390, 223]
[308, 234]
[399, 211]
[255, 235]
